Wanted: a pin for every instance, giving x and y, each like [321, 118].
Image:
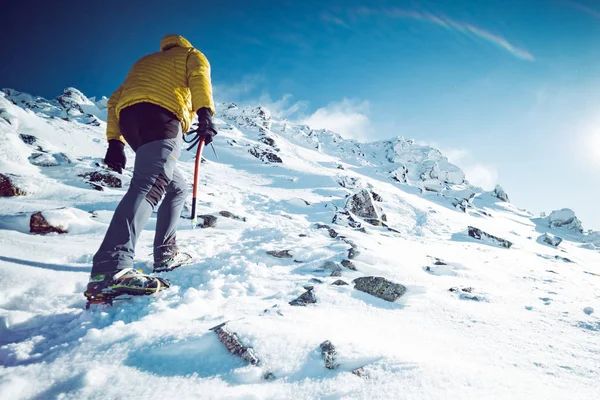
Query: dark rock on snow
[7, 187]
[363, 205]
[208, 221]
[329, 354]
[305, 298]
[280, 253]
[379, 287]
[336, 273]
[500, 194]
[264, 155]
[103, 178]
[481, 235]
[228, 214]
[39, 225]
[332, 232]
[339, 282]
[349, 264]
[551, 239]
[27, 139]
[353, 253]
[360, 372]
[234, 345]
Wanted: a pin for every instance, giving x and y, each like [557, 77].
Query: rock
[566, 219]
[380, 287]
[267, 376]
[332, 232]
[329, 354]
[588, 310]
[353, 253]
[28, 139]
[336, 274]
[343, 217]
[228, 214]
[551, 239]
[439, 262]
[339, 282]
[234, 345]
[330, 265]
[39, 225]
[280, 253]
[376, 197]
[265, 155]
[305, 298]
[363, 205]
[208, 221]
[481, 235]
[456, 289]
[43, 160]
[102, 177]
[564, 259]
[315, 280]
[349, 264]
[500, 194]
[360, 372]
[7, 187]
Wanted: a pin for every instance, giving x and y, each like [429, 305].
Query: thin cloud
[441, 21]
[239, 90]
[477, 173]
[585, 9]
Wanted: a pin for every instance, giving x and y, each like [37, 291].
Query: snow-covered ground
[520, 322]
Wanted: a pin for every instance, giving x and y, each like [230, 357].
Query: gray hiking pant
[155, 175]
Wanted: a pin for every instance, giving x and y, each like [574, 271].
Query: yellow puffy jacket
[176, 78]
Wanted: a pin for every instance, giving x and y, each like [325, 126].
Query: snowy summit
[322, 268]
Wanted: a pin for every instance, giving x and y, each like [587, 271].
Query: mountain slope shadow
[202, 356]
[37, 264]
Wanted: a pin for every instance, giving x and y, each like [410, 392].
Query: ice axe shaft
[195, 190]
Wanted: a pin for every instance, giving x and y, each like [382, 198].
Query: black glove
[206, 128]
[115, 156]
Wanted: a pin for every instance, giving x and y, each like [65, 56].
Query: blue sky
[508, 89]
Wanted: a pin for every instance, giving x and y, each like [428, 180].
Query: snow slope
[522, 322]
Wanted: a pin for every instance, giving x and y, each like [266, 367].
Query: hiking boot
[171, 262]
[103, 288]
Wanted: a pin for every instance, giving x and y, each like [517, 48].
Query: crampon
[107, 288]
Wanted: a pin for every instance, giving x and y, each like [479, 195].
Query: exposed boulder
[478, 234]
[234, 345]
[8, 188]
[305, 298]
[280, 253]
[340, 282]
[500, 194]
[39, 225]
[363, 205]
[551, 239]
[102, 178]
[208, 221]
[380, 287]
[265, 155]
[329, 354]
[228, 214]
[331, 266]
[332, 232]
[349, 264]
[565, 219]
[28, 139]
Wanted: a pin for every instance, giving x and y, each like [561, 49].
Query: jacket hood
[171, 41]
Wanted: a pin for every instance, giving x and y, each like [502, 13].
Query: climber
[150, 111]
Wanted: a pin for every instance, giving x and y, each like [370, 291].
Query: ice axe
[195, 190]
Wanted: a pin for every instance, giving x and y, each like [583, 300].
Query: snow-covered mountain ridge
[487, 301]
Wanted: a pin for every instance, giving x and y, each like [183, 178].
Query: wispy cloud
[585, 9]
[477, 173]
[441, 21]
[347, 117]
[238, 90]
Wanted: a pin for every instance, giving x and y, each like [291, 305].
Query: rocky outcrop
[305, 298]
[500, 194]
[8, 188]
[380, 287]
[265, 155]
[39, 225]
[280, 253]
[207, 221]
[230, 215]
[363, 205]
[551, 239]
[103, 179]
[329, 354]
[478, 234]
[565, 219]
[340, 282]
[349, 264]
[233, 344]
